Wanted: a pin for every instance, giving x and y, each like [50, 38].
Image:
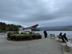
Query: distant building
[23, 30]
[28, 29]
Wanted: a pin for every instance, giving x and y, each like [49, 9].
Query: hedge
[13, 36]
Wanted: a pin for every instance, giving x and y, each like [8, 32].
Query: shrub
[36, 36]
[9, 35]
[14, 36]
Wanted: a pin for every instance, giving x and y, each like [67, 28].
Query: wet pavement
[40, 46]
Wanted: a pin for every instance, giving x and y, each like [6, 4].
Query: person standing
[45, 34]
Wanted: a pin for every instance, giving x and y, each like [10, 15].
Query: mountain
[57, 28]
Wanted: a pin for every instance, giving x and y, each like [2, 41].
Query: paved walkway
[42, 46]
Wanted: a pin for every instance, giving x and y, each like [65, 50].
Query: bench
[58, 39]
[69, 45]
[52, 35]
[67, 48]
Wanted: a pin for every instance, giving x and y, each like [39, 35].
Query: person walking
[45, 34]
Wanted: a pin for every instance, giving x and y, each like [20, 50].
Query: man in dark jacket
[65, 38]
[45, 34]
[61, 37]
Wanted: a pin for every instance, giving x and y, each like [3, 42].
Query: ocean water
[68, 33]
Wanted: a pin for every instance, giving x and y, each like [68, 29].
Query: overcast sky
[42, 12]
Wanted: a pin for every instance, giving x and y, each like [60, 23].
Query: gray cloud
[43, 12]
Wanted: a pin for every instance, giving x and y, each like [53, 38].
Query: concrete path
[42, 46]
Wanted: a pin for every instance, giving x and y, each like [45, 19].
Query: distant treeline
[8, 27]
